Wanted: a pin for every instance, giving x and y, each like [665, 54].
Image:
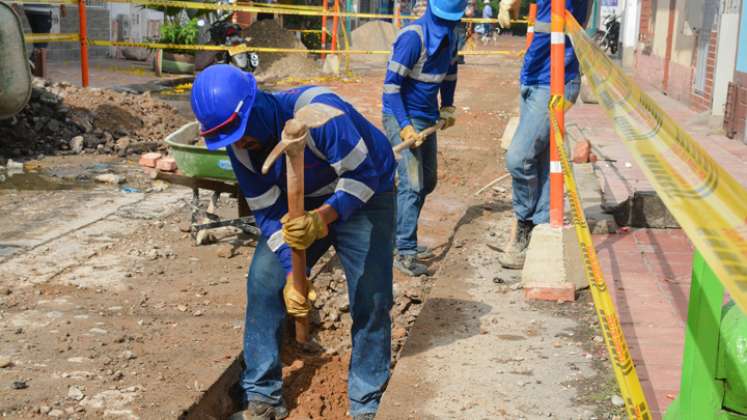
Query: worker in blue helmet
[349, 183]
[423, 63]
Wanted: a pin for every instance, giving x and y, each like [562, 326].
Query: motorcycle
[220, 31]
[609, 38]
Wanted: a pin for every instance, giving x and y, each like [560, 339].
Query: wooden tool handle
[294, 171]
[425, 133]
[294, 168]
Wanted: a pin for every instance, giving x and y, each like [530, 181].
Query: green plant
[175, 33]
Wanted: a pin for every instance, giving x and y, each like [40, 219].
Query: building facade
[687, 49]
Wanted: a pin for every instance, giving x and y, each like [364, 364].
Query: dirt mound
[61, 118]
[374, 35]
[291, 65]
[268, 34]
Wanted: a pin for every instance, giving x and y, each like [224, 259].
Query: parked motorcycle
[608, 38]
[219, 30]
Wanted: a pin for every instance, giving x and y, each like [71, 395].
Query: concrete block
[508, 133]
[167, 164]
[553, 262]
[331, 65]
[149, 160]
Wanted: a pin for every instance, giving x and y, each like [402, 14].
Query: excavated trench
[315, 376]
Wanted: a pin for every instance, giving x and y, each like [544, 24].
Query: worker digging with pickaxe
[343, 168]
[423, 64]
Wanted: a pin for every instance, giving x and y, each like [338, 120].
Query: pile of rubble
[332, 315]
[63, 119]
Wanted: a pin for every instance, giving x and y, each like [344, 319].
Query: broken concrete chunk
[5, 362]
[76, 144]
[113, 179]
[75, 393]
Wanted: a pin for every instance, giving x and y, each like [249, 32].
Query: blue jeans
[417, 174]
[528, 157]
[364, 245]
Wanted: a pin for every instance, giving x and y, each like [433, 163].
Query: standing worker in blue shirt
[528, 157]
[487, 13]
[349, 183]
[423, 64]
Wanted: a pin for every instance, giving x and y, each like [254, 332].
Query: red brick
[562, 293]
[149, 160]
[167, 164]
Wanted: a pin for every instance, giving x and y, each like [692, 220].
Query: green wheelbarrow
[200, 168]
[195, 160]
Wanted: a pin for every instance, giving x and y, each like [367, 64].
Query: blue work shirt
[536, 69]
[421, 65]
[346, 162]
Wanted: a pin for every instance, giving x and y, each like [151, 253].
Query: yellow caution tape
[287, 6]
[246, 48]
[156, 45]
[617, 347]
[52, 2]
[707, 202]
[255, 8]
[306, 31]
[50, 37]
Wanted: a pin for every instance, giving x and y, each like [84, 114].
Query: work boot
[258, 410]
[409, 265]
[366, 416]
[422, 252]
[516, 252]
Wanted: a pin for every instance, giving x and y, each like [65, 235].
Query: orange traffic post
[397, 23]
[530, 23]
[335, 21]
[324, 26]
[83, 43]
[557, 88]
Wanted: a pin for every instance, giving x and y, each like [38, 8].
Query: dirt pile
[289, 66]
[374, 35]
[63, 119]
[268, 34]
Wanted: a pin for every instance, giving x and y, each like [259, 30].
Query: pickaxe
[293, 141]
[409, 143]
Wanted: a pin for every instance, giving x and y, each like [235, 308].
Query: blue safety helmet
[222, 97]
[448, 9]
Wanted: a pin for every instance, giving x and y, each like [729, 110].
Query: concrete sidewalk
[107, 72]
[648, 270]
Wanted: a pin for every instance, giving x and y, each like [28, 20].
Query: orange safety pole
[530, 23]
[397, 14]
[83, 43]
[324, 26]
[335, 20]
[557, 88]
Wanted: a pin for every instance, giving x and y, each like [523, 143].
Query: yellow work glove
[504, 13]
[447, 114]
[409, 133]
[296, 304]
[302, 231]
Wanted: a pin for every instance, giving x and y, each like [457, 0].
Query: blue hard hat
[448, 9]
[222, 97]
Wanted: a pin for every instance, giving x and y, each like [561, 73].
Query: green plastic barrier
[714, 365]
